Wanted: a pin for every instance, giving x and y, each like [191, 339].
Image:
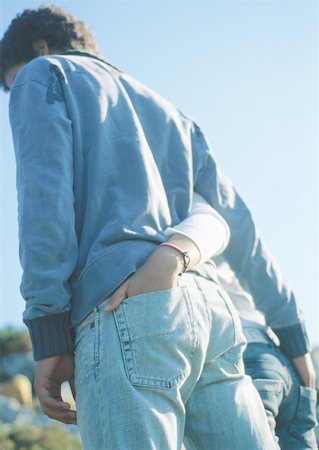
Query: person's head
[37, 32]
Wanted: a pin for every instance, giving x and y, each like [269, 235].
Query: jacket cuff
[50, 335]
[294, 341]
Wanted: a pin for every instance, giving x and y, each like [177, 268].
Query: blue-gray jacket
[104, 165]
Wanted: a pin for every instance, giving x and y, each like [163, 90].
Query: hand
[305, 368]
[50, 374]
[158, 273]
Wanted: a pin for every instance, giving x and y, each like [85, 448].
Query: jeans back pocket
[157, 335]
[305, 420]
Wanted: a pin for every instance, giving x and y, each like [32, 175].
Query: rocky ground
[23, 426]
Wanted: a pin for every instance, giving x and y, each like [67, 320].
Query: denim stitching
[205, 301]
[237, 335]
[125, 341]
[191, 315]
[96, 332]
[97, 375]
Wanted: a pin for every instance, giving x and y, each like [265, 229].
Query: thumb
[117, 297]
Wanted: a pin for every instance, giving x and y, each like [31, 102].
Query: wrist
[185, 244]
[185, 256]
[169, 259]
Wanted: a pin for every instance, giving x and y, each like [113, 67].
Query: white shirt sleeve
[205, 227]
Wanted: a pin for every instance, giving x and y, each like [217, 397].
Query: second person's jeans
[290, 406]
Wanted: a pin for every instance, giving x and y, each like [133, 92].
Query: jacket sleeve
[246, 253]
[42, 135]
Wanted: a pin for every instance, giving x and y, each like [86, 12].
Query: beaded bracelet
[185, 255]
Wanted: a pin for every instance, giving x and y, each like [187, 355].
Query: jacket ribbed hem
[50, 335]
[294, 341]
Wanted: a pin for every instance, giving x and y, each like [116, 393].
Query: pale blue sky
[247, 72]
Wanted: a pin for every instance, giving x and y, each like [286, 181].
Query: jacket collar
[91, 55]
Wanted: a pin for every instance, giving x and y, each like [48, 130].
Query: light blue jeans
[290, 407]
[164, 371]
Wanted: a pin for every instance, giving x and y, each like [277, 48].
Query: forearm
[305, 369]
[205, 227]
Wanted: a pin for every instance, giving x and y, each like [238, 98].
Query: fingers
[67, 416]
[52, 404]
[58, 410]
[50, 374]
[117, 297]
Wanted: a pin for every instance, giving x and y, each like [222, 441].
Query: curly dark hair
[60, 30]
